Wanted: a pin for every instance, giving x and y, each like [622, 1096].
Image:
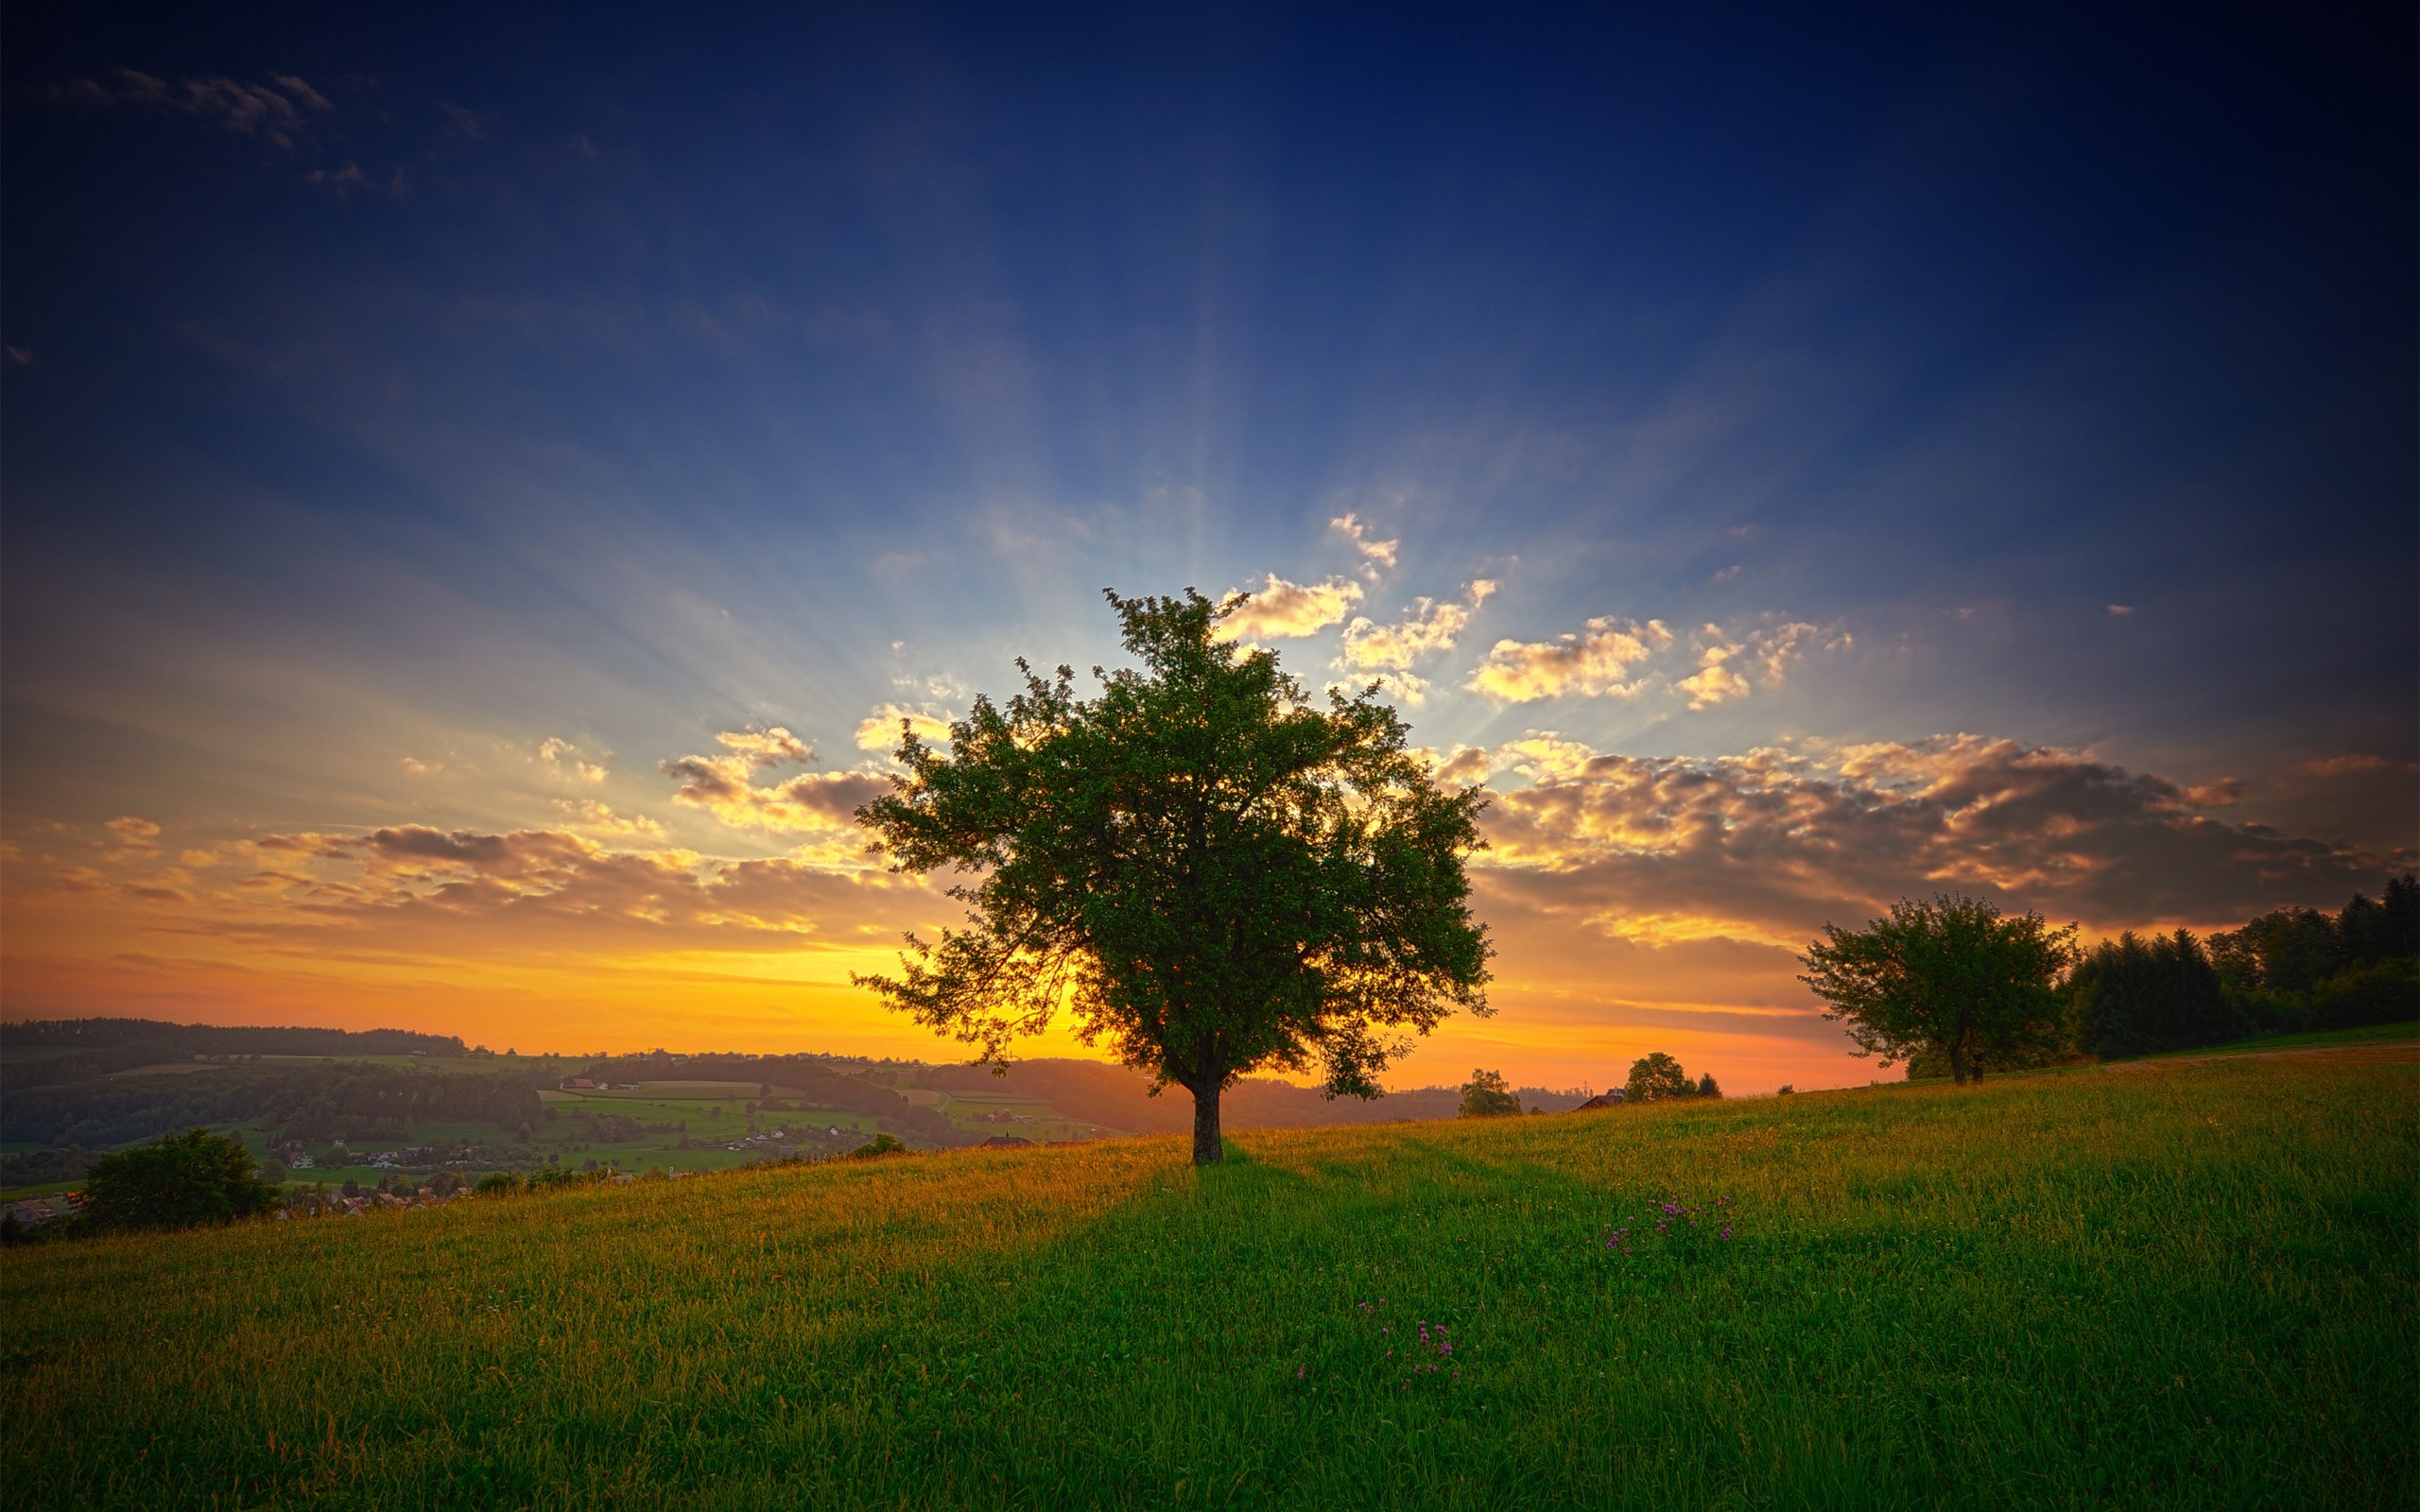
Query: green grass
[2188, 1285]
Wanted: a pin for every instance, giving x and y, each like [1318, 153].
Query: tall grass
[2186, 1285]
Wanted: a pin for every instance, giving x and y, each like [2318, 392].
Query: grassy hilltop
[2185, 1284]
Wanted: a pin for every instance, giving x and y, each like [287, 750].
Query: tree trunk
[1206, 1149]
[1957, 1063]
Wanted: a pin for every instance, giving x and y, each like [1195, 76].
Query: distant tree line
[2289, 969]
[306, 1104]
[1954, 986]
[102, 1046]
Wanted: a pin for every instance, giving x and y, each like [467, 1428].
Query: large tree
[1656, 1077]
[1210, 873]
[1954, 976]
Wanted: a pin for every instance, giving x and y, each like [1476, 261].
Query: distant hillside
[1116, 1098]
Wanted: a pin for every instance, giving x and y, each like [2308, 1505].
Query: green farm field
[2182, 1285]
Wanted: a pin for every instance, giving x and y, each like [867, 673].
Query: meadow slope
[2186, 1285]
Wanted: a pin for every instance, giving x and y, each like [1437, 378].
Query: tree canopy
[1485, 1095]
[1209, 872]
[177, 1181]
[1655, 1077]
[2133, 997]
[1953, 975]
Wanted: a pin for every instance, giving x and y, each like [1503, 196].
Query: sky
[478, 492]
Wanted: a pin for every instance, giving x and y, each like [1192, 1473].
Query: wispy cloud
[132, 832]
[589, 817]
[1375, 554]
[562, 758]
[279, 110]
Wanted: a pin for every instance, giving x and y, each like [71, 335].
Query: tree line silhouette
[1954, 986]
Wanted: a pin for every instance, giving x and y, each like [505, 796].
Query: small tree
[1656, 1077]
[1707, 1086]
[1486, 1096]
[1208, 872]
[177, 1181]
[1952, 974]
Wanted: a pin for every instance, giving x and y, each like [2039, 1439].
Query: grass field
[2186, 1285]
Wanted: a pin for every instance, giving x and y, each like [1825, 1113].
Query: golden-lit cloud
[587, 816]
[1731, 667]
[880, 730]
[1596, 663]
[561, 758]
[134, 833]
[1376, 552]
[1392, 650]
[773, 747]
[1713, 681]
[1771, 844]
[725, 787]
[1467, 766]
[514, 893]
[1281, 609]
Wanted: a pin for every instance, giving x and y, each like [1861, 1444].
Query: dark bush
[2384, 994]
[178, 1181]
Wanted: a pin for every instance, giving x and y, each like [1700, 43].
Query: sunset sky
[481, 493]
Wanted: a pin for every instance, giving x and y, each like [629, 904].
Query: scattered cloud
[1284, 610]
[19, 356]
[1775, 843]
[2343, 766]
[2121, 610]
[725, 787]
[773, 747]
[562, 757]
[1429, 627]
[1467, 767]
[589, 817]
[1390, 651]
[1725, 574]
[420, 769]
[132, 832]
[1714, 681]
[1766, 654]
[491, 894]
[344, 180]
[280, 110]
[1595, 663]
[879, 731]
[1375, 553]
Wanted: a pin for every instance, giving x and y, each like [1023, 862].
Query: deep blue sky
[428, 386]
